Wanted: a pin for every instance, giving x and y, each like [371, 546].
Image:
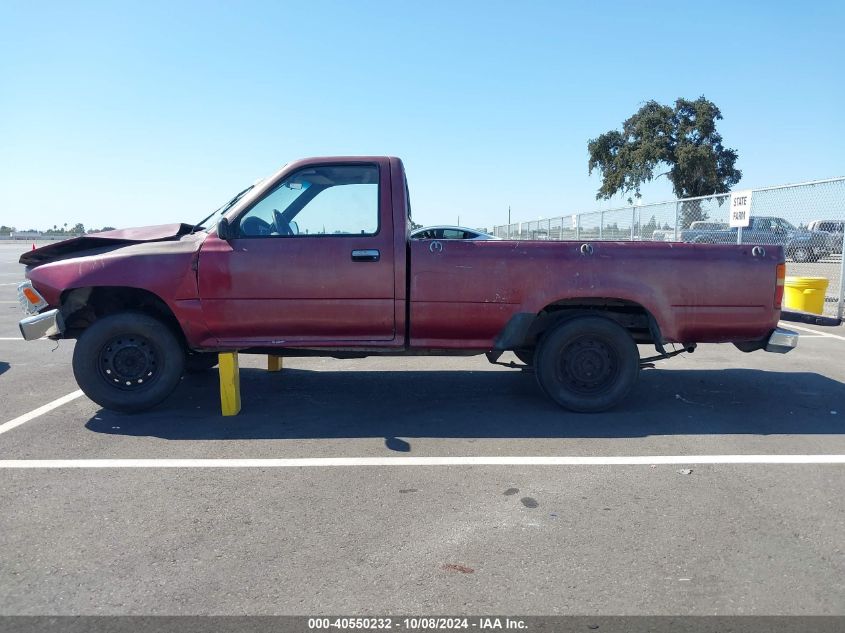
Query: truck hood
[137, 235]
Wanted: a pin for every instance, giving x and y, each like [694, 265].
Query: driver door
[311, 262]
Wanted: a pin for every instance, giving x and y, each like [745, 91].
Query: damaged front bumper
[49, 323]
[38, 324]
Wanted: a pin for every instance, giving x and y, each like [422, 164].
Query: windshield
[211, 220]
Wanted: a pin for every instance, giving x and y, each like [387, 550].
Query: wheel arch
[524, 330]
[82, 306]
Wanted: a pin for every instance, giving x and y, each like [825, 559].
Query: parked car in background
[668, 235]
[799, 245]
[702, 225]
[663, 235]
[836, 228]
[450, 233]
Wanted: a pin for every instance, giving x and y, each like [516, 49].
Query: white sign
[740, 211]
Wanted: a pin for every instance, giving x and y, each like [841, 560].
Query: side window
[763, 224]
[453, 234]
[339, 200]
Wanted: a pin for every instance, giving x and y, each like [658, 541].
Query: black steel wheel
[587, 364]
[128, 361]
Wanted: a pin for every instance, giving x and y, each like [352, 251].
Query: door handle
[366, 255]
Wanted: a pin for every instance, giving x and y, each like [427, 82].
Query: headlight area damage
[37, 324]
[45, 317]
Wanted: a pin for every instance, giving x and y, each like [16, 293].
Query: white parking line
[319, 462]
[26, 417]
[806, 329]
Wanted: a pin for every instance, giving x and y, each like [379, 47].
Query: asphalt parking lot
[629, 521]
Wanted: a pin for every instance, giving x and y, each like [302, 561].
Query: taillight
[781, 276]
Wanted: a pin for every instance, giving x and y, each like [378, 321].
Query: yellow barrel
[805, 293]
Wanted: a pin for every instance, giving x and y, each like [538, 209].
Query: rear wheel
[587, 364]
[128, 362]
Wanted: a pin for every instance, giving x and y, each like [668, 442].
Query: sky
[135, 113]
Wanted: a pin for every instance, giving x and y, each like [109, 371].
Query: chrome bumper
[48, 323]
[782, 341]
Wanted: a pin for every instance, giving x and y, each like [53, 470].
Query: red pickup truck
[317, 260]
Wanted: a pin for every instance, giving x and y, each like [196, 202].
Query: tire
[196, 362]
[587, 364]
[801, 254]
[128, 362]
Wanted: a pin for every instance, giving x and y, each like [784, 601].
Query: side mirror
[223, 229]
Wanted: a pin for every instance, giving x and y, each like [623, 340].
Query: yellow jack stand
[230, 383]
[274, 363]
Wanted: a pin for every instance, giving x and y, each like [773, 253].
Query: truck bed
[466, 294]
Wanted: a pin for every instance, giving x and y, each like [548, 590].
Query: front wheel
[587, 364]
[128, 362]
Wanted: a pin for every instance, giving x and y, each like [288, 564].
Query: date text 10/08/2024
[416, 623]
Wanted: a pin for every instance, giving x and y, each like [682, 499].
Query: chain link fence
[807, 219]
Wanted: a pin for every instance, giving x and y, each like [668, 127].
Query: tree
[78, 229]
[682, 138]
[649, 227]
